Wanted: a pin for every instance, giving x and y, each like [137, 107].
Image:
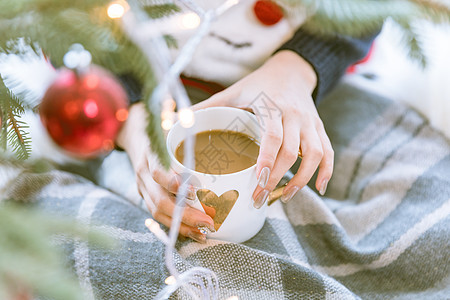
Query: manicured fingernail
[264, 177]
[287, 195]
[261, 199]
[323, 187]
[198, 237]
[207, 226]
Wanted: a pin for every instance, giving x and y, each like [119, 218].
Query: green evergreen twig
[28, 256]
[14, 131]
[54, 25]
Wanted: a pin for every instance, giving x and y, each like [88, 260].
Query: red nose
[268, 12]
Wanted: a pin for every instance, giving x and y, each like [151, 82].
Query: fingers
[185, 230]
[162, 204]
[312, 155]
[271, 142]
[317, 152]
[327, 163]
[287, 154]
[168, 180]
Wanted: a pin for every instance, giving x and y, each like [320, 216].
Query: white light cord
[200, 283]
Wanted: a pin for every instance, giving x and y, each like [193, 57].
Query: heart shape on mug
[217, 207]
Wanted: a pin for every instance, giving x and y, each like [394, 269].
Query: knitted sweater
[329, 56]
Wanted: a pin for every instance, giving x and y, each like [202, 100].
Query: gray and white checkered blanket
[381, 231]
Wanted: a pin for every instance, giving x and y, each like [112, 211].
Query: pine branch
[17, 137]
[12, 9]
[4, 124]
[434, 10]
[157, 138]
[55, 25]
[159, 11]
[55, 32]
[354, 17]
[21, 91]
[359, 18]
[13, 129]
[153, 128]
[28, 258]
[35, 166]
[171, 41]
[413, 44]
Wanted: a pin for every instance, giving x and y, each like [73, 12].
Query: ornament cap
[77, 58]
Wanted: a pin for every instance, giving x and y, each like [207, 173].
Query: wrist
[295, 64]
[132, 133]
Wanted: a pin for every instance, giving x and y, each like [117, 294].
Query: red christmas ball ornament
[83, 112]
[268, 12]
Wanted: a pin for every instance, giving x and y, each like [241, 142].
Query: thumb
[222, 98]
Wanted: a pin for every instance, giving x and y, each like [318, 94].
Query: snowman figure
[241, 39]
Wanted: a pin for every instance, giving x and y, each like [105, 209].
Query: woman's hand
[156, 186]
[290, 124]
[279, 93]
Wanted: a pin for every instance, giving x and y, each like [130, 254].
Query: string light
[233, 298]
[154, 227]
[77, 57]
[197, 281]
[167, 113]
[190, 21]
[166, 124]
[170, 280]
[186, 117]
[117, 9]
[169, 104]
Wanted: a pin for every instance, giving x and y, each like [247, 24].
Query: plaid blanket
[381, 231]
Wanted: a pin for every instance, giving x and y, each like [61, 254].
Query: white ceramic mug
[243, 220]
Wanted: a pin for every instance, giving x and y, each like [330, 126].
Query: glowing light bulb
[117, 9]
[152, 225]
[166, 124]
[190, 21]
[186, 117]
[167, 114]
[170, 280]
[169, 104]
[154, 228]
[233, 298]
[77, 57]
